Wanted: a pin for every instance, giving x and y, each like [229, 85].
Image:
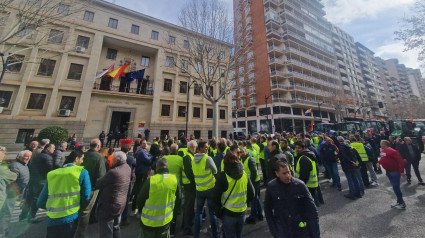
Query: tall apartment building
[288, 65]
[374, 105]
[61, 88]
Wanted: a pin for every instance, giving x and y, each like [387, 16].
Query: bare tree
[20, 20]
[412, 30]
[341, 101]
[208, 57]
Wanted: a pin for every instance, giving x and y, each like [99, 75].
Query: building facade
[61, 87]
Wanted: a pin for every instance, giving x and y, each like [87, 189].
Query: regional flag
[109, 69]
[309, 111]
[130, 77]
[120, 71]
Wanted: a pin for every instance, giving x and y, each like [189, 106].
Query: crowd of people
[172, 178]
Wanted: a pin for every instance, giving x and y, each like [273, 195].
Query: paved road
[370, 216]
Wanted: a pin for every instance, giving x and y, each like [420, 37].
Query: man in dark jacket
[95, 165]
[219, 156]
[289, 207]
[329, 154]
[143, 167]
[114, 189]
[39, 167]
[102, 138]
[155, 150]
[117, 138]
[189, 189]
[109, 139]
[350, 164]
[132, 164]
[274, 155]
[58, 156]
[147, 132]
[411, 155]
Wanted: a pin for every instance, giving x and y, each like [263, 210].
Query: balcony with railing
[276, 61]
[140, 87]
[303, 102]
[309, 90]
[273, 33]
[312, 68]
[278, 73]
[308, 56]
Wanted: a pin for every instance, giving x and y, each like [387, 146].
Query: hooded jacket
[235, 171]
[348, 157]
[209, 165]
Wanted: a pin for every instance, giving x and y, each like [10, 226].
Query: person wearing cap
[350, 163]
[113, 196]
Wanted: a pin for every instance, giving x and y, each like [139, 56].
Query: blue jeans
[355, 182]
[201, 196]
[394, 178]
[332, 168]
[256, 209]
[232, 226]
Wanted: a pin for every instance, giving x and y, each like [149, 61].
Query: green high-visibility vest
[158, 209]
[248, 171]
[254, 155]
[291, 141]
[185, 180]
[261, 156]
[156, 142]
[183, 150]
[63, 191]
[361, 150]
[256, 148]
[175, 165]
[204, 179]
[316, 141]
[313, 181]
[237, 199]
[225, 151]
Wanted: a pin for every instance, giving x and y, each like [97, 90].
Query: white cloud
[395, 50]
[346, 11]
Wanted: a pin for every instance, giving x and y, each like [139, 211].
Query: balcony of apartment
[311, 79]
[276, 50]
[271, 3]
[303, 102]
[299, 88]
[252, 104]
[298, 15]
[290, 35]
[135, 88]
[344, 79]
[310, 57]
[276, 62]
[310, 67]
[273, 33]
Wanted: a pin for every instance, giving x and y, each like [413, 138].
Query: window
[251, 113]
[111, 54]
[222, 73]
[264, 111]
[46, 67]
[196, 112]
[168, 83]
[6, 95]
[75, 71]
[185, 66]
[241, 124]
[183, 87]
[36, 101]
[63, 9]
[169, 62]
[197, 134]
[25, 29]
[182, 111]
[211, 89]
[165, 110]
[210, 135]
[222, 54]
[135, 29]
[198, 67]
[186, 44]
[83, 41]
[67, 103]
[211, 70]
[209, 113]
[113, 23]
[23, 135]
[222, 114]
[15, 63]
[154, 35]
[172, 40]
[145, 61]
[88, 16]
[55, 36]
[200, 48]
[197, 89]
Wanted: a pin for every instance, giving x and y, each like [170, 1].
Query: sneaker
[421, 183]
[400, 206]
[409, 181]
[374, 184]
[349, 196]
[250, 220]
[339, 188]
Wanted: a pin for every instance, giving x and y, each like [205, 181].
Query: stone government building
[62, 90]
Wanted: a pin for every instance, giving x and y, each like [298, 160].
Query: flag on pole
[120, 71]
[311, 125]
[130, 77]
[309, 111]
[109, 69]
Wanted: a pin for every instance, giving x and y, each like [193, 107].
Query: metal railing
[123, 89]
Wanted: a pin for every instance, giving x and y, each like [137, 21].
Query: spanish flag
[311, 125]
[121, 71]
[309, 111]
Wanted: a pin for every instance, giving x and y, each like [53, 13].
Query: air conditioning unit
[80, 49]
[64, 113]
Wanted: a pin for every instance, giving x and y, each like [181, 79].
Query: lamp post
[320, 112]
[267, 108]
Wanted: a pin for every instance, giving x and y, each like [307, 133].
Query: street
[370, 216]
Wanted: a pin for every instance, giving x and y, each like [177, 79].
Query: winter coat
[40, 166]
[113, 191]
[235, 171]
[23, 173]
[348, 156]
[405, 153]
[95, 165]
[286, 205]
[6, 178]
[329, 153]
[391, 160]
[143, 162]
[58, 158]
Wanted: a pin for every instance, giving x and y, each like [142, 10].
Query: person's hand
[403, 175]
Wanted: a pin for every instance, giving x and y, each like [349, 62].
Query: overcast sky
[371, 22]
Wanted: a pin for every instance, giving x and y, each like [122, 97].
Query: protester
[288, 152]
[40, 147]
[366, 164]
[329, 155]
[113, 196]
[157, 199]
[189, 189]
[274, 155]
[394, 166]
[58, 155]
[7, 177]
[95, 166]
[110, 137]
[102, 138]
[143, 167]
[411, 154]
[66, 191]
[131, 161]
[33, 146]
[219, 156]
[289, 206]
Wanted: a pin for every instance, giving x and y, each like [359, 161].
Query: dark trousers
[232, 226]
[102, 142]
[35, 190]
[84, 216]
[109, 143]
[110, 228]
[264, 170]
[124, 214]
[365, 176]
[408, 166]
[256, 210]
[189, 207]
[140, 180]
[117, 142]
[355, 182]
[313, 192]
[394, 178]
[62, 231]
